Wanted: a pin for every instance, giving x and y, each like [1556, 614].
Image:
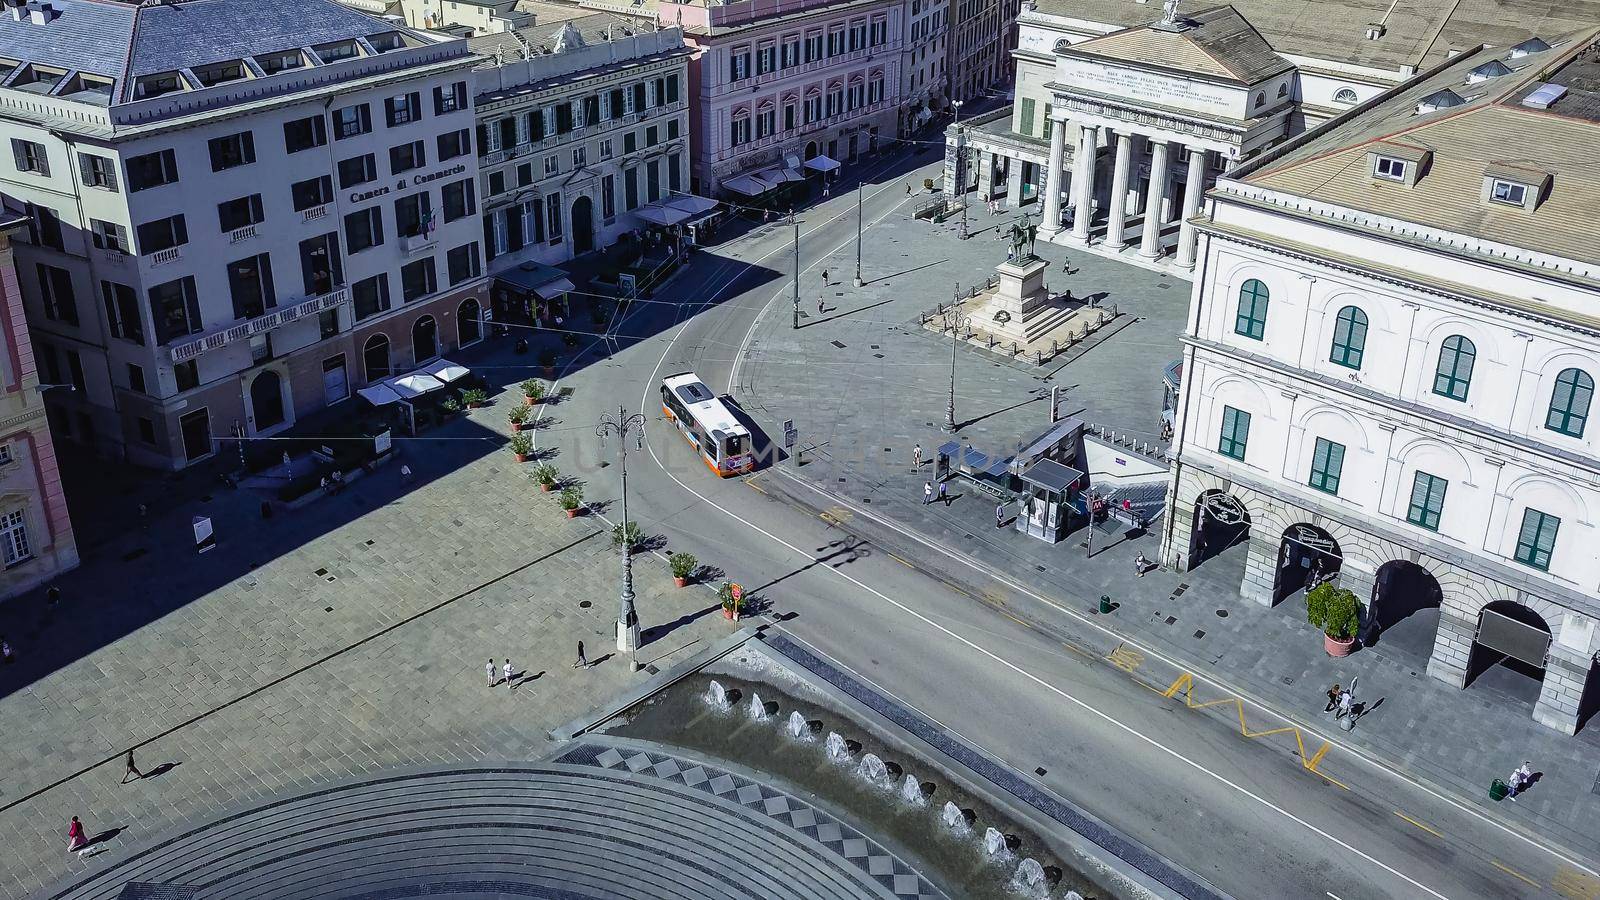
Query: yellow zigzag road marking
[1184, 684]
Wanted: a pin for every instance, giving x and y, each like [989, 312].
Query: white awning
[822, 164]
[414, 385]
[659, 214]
[780, 175]
[446, 371]
[748, 185]
[691, 204]
[379, 394]
[553, 289]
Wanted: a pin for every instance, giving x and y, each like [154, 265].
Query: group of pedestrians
[507, 674]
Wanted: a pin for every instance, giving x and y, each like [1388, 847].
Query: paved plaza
[864, 384]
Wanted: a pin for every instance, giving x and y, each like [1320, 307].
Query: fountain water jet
[955, 819]
[994, 845]
[717, 695]
[797, 727]
[1029, 879]
[835, 745]
[911, 792]
[874, 771]
[758, 709]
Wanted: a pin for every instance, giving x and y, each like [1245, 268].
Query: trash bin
[1105, 604]
[1498, 790]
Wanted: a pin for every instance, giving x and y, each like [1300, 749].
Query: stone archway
[375, 357]
[1405, 608]
[1220, 521]
[469, 322]
[424, 340]
[582, 225]
[1307, 556]
[811, 150]
[1510, 651]
[266, 400]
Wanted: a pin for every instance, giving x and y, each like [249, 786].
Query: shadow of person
[596, 662]
[104, 836]
[162, 769]
[523, 677]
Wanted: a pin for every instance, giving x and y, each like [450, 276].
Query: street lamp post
[859, 282]
[955, 321]
[623, 424]
[796, 269]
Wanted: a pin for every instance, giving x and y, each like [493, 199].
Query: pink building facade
[36, 540]
[787, 88]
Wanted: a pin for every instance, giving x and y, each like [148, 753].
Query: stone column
[1150, 244]
[1083, 184]
[1260, 562]
[1115, 225]
[1051, 224]
[986, 175]
[1015, 169]
[1564, 678]
[1192, 189]
[1452, 645]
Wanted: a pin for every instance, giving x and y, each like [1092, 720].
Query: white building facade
[1390, 365]
[230, 233]
[925, 62]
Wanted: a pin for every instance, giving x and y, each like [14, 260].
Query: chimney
[17, 8]
[42, 13]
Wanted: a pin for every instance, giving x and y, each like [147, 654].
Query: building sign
[403, 183]
[1152, 87]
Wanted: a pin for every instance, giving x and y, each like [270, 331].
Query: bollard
[1105, 604]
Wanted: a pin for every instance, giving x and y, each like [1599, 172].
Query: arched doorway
[1509, 651]
[1220, 522]
[375, 357]
[266, 400]
[1307, 557]
[582, 226]
[469, 321]
[424, 339]
[1404, 612]
[811, 150]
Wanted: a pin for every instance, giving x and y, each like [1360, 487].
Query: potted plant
[521, 445]
[449, 406]
[474, 397]
[533, 390]
[572, 500]
[1336, 612]
[518, 416]
[683, 565]
[547, 359]
[546, 475]
[732, 596]
[628, 534]
[927, 184]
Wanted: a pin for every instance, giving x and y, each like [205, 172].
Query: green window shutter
[1569, 403]
[1537, 540]
[1427, 501]
[1025, 121]
[1251, 320]
[1049, 123]
[1349, 338]
[1326, 462]
[1453, 376]
[1235, 432]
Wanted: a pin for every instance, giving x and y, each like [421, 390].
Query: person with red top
[75, 837]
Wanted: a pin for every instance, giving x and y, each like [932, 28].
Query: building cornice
[1390, 409]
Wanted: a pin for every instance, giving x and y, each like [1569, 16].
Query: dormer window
[388, 40]
[1531, 45]
[156, 85]
[273, 63]
[1389, 168]
[1510, 192]
[337, 50]
[1494, 68]
[219, 73]
[1345, 95]
[1438, 100]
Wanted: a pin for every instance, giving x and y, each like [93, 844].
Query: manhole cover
[321, 572]
[327, 609]
[1222, 614]
[585, 604]
[369, 543]
[1171, 620]
[837, 344]
[1199, 634]
[1039, 770]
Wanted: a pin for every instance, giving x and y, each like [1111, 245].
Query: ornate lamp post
[622, 424]
[954, 320]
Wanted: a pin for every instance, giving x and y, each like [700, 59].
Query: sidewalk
[339, 639]
[866, 384]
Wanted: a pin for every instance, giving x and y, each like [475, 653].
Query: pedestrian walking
[819, 305]
[489, 670]
[825, 277]
[75, 837]
[133, 770]
[1141, 565]
[927, 492]
[1345, 700]
[405, 472]
[999, 515]
[908, 189]
[7, 655]
[52, 596]
[1519, 779]
[1333, 697]
[583, 661]
[944, 492]
[509, 671]
[916, 458]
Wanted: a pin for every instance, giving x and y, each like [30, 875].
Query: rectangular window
[553, 217]
[304, 134]
[1235, 432]
[351, 121]
[563, 118]
[370, 296]
[791, 54]
[14, 538]
[55, 286]
[152, 170]
[591, 110]
[363, 229]
[1537, 540]
[552, 164]
[672, 89]
[813, 46]
[122, 311]
[403, 109]
[1327, 460]
[1508, 192]
[98, 171]
[417, 279]
[175, 309]
[321, 269]
[406, 157]
[1427, 501]
[653, 179]
[250, 282]
[147, 431]
[675, 172]
[766, 59]
[524, 174]
[411, 214]
[312, 192]
[449, 98]
[30, 157]
[790, 112]
[497, 183]
[580, 157]
[1389, 168]
[187, 375]
[239, 212]
[461, 263]
[739, 64]
[162, 234]
[605, 149]
[630, 187]
[231, 151]
[608, 197]
[108, 235]
[454, 143]
[458, 200]
[616, 105]
[135, 378]
[357, 170]
[630, 142]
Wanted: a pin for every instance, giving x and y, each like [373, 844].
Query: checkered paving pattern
[779, 808]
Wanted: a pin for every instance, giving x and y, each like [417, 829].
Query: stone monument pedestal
[1021, 309]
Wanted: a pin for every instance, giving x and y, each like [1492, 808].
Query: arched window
[1569, 402]
[1454, 373]
[375, 357]
[1261, 100]
[1344, 95]
[1252, 318]
[1349, 338]
[1283, 89]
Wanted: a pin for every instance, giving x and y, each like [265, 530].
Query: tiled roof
[1217, 42]
[89, 35]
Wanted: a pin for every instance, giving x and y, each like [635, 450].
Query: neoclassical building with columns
[1390, 364]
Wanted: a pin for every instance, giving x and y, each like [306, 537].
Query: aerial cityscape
[813, 449]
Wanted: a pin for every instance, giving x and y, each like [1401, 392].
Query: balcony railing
[417, 243]
[314, 213]
[222, 337]
[161, 257]
[242, 234]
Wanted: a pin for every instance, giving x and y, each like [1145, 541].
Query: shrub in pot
[533, 390]
[521, 445]
[546, 475]
[474, 397]
[449, 406]
[518, 416]
[732, 597]
[683, 565]
[572, 500]
[1337, 612]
